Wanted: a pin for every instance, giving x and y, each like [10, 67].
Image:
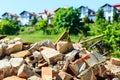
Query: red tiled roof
[117, 6]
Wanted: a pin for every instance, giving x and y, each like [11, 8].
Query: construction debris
[63, 60]
[50, 55]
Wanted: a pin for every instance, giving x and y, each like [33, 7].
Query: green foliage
[42, 25]
[9, 27]
[85, 29]
[69, 19]
[27, 29]
[115, 16]
[112, 39]
[100, 14]
[101, 24]
[86, 19]
[119, 19]
[34, 20]
[93, 29]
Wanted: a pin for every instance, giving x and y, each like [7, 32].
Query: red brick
[115, 61]
[76, 65]
[91, 58]
[46, 73]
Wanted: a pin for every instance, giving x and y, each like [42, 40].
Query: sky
[17, 6]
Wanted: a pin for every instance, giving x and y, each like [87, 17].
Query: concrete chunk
[5, 68]
[37, 55]
[50, 55]
[16, 63]
[64, 47]
[87, 75]
[25, 71]
[13, 48]
[37, 45]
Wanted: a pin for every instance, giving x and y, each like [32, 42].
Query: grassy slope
[38, 36]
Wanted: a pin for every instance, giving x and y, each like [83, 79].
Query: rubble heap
[45, 61]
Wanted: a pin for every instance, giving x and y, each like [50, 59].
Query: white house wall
[108, 12]
[84, 12]
[24, 21]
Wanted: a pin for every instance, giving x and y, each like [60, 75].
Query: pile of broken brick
[46, 61]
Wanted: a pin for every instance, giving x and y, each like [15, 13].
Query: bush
[112, 39]
[7, 27]
[27, 29]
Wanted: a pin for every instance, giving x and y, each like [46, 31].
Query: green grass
[39, 36]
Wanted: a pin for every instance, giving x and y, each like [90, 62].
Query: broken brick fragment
[50, 55]
[20, 54]
[76, 65]
[46, 73]
[64, 47]
[13, 78]
[115, 61]
[25, 71]
[16, 63]
[64, 76]
[92, 58]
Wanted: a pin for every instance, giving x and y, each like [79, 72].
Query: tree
[42, 25]
[34, 20]
[101, 22]
[85, 29]
[100, 15]
[9, 27]
[115, 16]
[69, 19]
[112, 39]
[86, 19]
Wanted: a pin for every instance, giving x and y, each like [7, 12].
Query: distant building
[0, 19]
[9, 16]
[26, 17]
[108, 11]
[85, 11]
[117, 6]
[48, 15]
